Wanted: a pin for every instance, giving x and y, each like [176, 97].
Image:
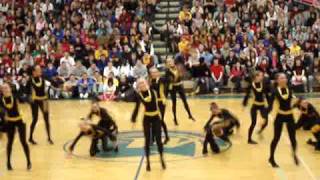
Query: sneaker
[85, 96]
[81, 95]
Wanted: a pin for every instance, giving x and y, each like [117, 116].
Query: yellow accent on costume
[33, 93]
[285, 112]
[148, 98]
[12, 118]
[257, 89]
[264, 103]
[153, 113]
[39, 84]
[10, 105]
[162, 97]
[315, 128]
[286, 96]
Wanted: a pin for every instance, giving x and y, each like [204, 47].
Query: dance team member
[175, 86]
[283, 97]
[151, 119]
[13, 120]
[159, 85]
[309, 120]
[259, 91]
[38, 100]
[221, 128]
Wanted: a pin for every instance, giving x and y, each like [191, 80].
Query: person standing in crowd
[38, 100]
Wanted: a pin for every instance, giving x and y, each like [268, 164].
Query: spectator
[217, 76]
[236, 76]
[110, 69]
[299, 75]
[140, 70]
[70, 87]
[50, 71]
[85, 86]
[64, 71]
[56, 86]
[92, 70]
[78, 69]
[67, 59]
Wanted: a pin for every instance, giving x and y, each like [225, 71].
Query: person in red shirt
[236, 76]
[217, 76]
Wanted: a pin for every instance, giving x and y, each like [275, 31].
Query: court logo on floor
[182, 145]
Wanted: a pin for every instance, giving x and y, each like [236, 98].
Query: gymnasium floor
[183, 153]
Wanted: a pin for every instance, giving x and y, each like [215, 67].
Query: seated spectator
[100, 51]
[236, 76]
[78, 69]
[56, 86]
[70, 87]
[109, 90]
[85, 86]
[64, 71]
[92, 70]
[110, 69]
[68, 60]
[217, 76]
[98, 87]
[201, 74]
[299, 75]
[49, 71]
[140, 70]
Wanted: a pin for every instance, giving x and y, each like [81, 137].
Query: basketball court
[183, 153]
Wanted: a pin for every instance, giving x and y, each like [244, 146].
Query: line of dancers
[152, 95]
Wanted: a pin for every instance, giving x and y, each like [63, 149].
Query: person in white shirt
[110, 69]
[69, 60]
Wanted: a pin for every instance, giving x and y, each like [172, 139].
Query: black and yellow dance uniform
[159, 85]
[175, 86]
[284, 115]
[39, 100]
[310, 120]
[260, 103]
[95, 132]
[227, 122]
[151, 122]
[13, 120]
[106, 122]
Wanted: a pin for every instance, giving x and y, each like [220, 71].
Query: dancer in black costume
[175, 86]
[309, 120]
[259, 91]
[159, 85]
[283, 96]
[107, 123]
[13, 120]
[222, 128]
[151, 118]
[95, 132]
[38, 100]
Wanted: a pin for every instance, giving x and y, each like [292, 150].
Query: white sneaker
[81, 95]
[85, 96]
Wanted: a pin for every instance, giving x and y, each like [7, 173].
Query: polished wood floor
[241, 161]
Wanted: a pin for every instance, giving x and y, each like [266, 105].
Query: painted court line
[139, 168]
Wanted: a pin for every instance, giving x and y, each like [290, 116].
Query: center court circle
[183, 145]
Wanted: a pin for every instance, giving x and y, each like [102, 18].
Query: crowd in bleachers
[98, 47]
[85, 47]
[224, 41]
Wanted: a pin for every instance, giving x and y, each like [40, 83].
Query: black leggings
[43, 105]
[152, 126]
[11, 130]
[210, 139]
[253, 113]
[162, 108]
[173, 93]
[278, 123]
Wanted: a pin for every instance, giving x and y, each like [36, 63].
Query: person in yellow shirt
[295, 49]
[100, 51]
[185, 14]
[184, 45]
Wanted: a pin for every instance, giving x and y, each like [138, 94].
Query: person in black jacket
[259, 91]
[222, 128]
